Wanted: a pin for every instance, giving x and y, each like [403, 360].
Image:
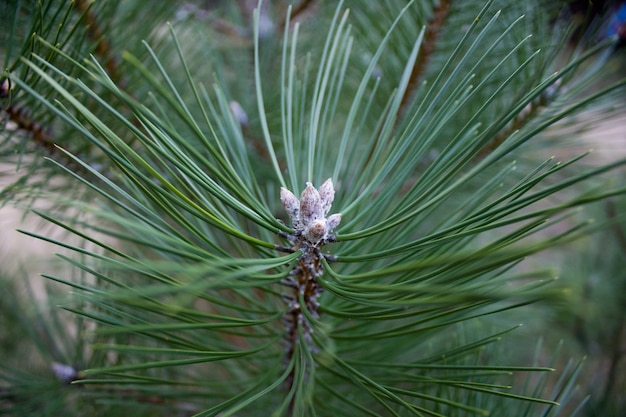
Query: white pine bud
[291, 204]
[239, 113]
[308, 214]
[316, 230]
[64, 373]
[327, 195]
[310, 205]
[333, 221]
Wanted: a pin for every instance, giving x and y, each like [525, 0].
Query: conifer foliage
[315, 209]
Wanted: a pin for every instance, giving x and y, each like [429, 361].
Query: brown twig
[435, 25]
[522, 118]
[527, 114]
[440, 13]
[23, 120]
[300, 10]
[103, 46]
[41, 134]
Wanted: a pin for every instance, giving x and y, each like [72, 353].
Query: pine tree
[317, 209]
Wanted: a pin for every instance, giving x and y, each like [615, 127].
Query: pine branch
[191, 303]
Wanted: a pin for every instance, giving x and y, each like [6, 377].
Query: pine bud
[239, 113]
[327, 195]
[291, 204]
[316, 231]
[310, 205]
[5, 87]
[308, 215]
[64, 373]
[333, 221]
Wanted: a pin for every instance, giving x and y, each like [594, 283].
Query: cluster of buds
[312, 229]
[308, 215]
